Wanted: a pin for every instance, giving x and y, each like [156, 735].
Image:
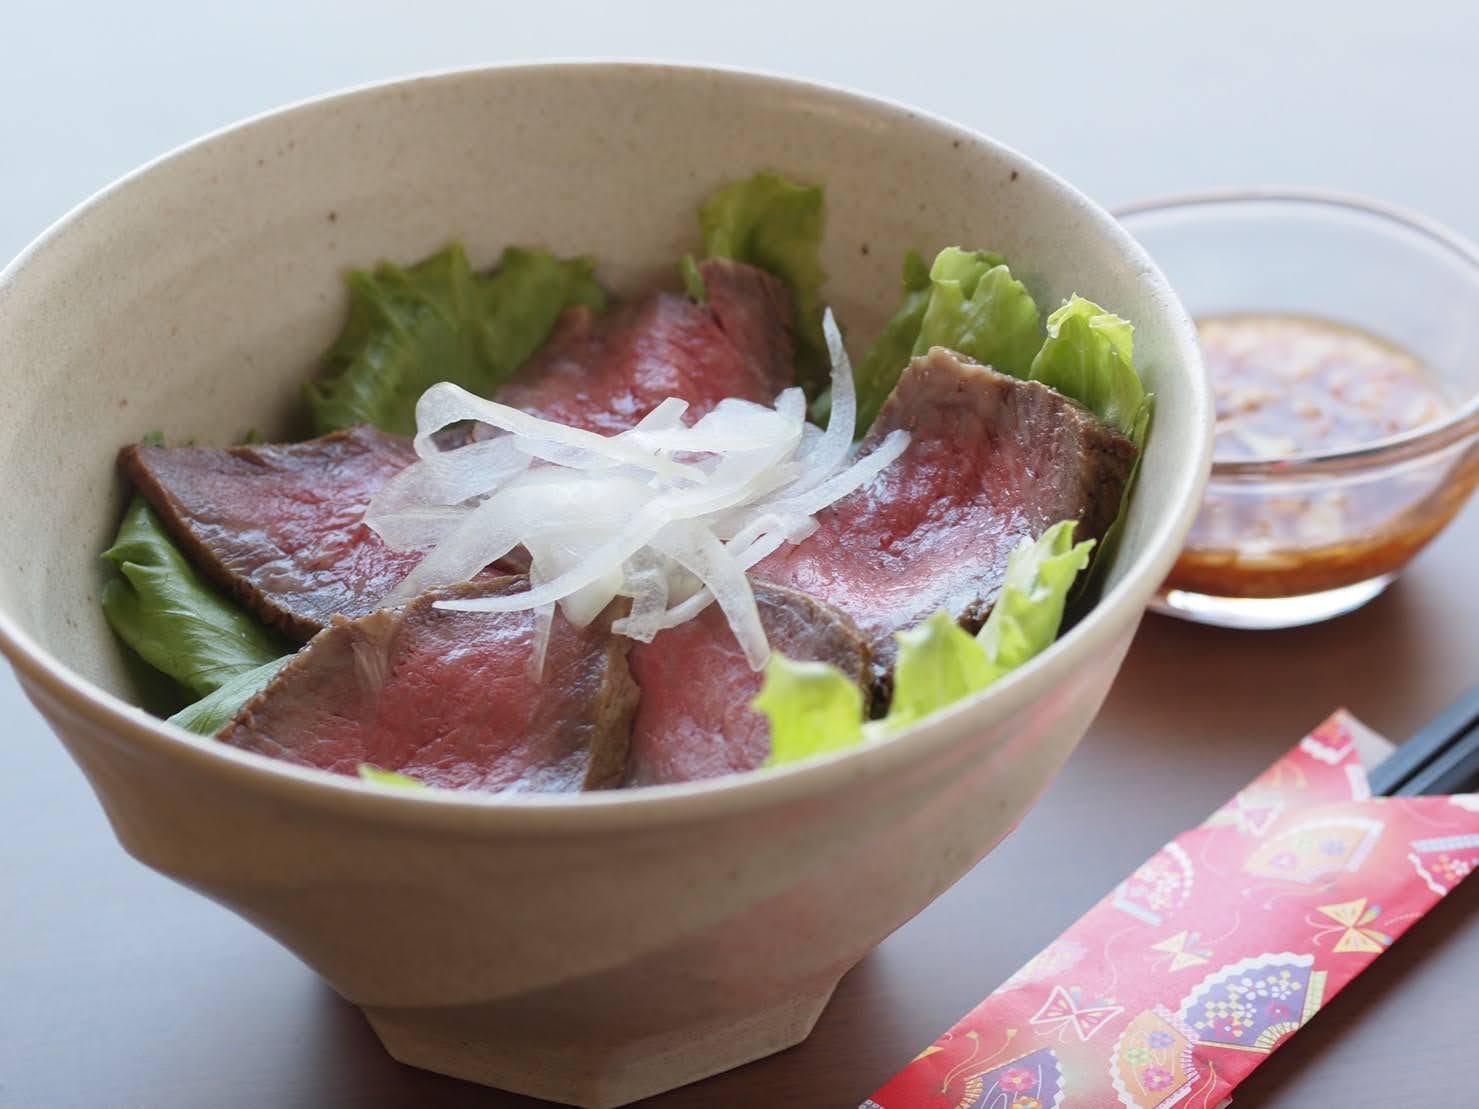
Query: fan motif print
[1222, 945]
[1443, 862]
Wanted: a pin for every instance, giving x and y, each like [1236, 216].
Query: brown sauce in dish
[1294, 572]
[1287, 386]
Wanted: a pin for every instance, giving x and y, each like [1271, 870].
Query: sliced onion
[415, 529]
[561, 454]
[503, 522]
[695, 549]
[668, 413]
[769, 543]
[445, 404]
[669, 514]
[834, 446]
[731, 426]
[602, 562]
[860, 473]
[544, 624]
[647, 585]
[750, 553]
[474, 543]
[792, 528]
[557, 550]
[792, 405]
[451, 477]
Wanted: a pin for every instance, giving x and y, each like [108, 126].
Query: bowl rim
[1436, 435]
[1115, 614]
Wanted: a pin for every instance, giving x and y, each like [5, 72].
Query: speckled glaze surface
[590, 950]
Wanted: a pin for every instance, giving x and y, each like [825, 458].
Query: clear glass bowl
[1349, 519]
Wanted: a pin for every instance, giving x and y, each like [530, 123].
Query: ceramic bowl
[589, 949]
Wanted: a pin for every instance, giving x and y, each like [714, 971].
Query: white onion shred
[670, 514]
[544, 622]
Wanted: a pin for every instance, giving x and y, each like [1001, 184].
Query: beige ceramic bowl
[585, 949]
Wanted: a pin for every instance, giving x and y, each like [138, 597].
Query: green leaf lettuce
[1088, 355]
[438, 321]
[878, 371]
[968, 301]
[939, 662]
[814, 707]
[1028, 613]
[166, 612]
[776, 225]
[217, 709]
[978, 308]
[370, 773]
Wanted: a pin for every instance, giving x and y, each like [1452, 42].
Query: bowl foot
[1263, 613]
[507, 1046]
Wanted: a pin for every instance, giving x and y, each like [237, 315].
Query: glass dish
[1347, 520]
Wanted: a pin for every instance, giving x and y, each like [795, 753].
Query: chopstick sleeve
[1200, 964]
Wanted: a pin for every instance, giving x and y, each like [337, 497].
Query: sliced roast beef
[280, 527]
[991, 460]
[451, 698]
[694, 720]
[605, 373]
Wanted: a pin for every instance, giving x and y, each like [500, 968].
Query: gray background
[1126, 100]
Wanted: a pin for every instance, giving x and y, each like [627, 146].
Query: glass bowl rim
[1461, 424]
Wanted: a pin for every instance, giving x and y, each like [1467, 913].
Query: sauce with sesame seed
[1289, 386]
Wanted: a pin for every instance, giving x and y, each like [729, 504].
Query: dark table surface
[119, 989]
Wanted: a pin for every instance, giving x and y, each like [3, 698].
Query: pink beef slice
[694, 720]
[605, 373]
[280, 527]
[991, 460]
[451, 699]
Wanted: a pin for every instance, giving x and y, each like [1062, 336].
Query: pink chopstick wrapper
[1175, 987]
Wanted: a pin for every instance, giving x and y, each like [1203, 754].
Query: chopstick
[1441, 757]
[1456, 770]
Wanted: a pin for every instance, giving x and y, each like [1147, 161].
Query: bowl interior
[195, 296]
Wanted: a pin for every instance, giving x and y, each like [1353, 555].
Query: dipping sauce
[1290, 386]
